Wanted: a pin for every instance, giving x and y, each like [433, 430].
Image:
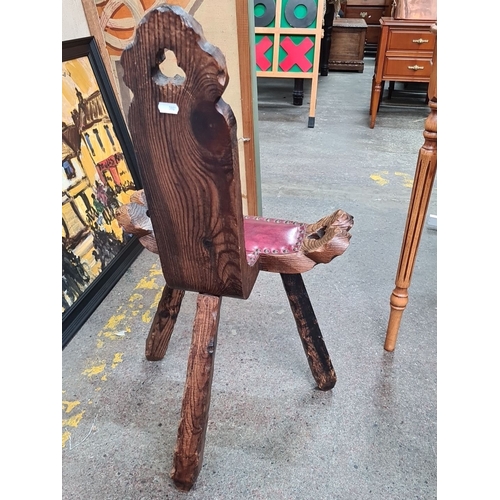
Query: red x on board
[296, 54]
[260, 49]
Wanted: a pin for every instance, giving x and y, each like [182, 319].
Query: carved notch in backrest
[167, 70]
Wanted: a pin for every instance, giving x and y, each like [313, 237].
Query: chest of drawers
[404, 54]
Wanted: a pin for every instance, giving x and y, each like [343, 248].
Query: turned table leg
[417, 210]
[298, 91]
[419, 202]
[375, 100]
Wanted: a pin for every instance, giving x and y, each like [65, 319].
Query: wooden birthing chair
[190, 213]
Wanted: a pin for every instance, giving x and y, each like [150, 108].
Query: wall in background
[74, 23]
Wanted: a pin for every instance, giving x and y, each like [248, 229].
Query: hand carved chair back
[185, 140]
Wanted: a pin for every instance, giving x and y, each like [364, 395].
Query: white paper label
[168, 107]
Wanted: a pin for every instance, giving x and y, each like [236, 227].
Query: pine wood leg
[419, 202]
[398, 301]
[309, 331]
[382, 89]
[374, 101]
[163, 323]
[188, 455]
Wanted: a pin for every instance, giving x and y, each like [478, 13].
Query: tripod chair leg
[309, 331]
[163, 323]
[188, 455]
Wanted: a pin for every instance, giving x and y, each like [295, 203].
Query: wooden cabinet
[404, 54]
[371, 11]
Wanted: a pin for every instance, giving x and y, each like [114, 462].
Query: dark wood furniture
[347, 45]
[190, 213]
[404, 54]
[327, 38]
[419, 202]
[371, 11]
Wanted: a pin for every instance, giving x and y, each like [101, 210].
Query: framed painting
[98, 175]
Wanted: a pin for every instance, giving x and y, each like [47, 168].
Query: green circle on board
[259, 9]
[300, 11]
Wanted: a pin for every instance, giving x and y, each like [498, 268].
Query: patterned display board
[288, 41]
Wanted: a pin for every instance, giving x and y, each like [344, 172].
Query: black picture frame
[96, 118]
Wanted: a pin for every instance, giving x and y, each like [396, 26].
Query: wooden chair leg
[163, 323]
[188, 455]
[309, 331]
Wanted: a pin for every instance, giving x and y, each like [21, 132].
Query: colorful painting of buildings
[95, 181]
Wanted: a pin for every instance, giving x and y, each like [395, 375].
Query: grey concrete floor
[271, 433]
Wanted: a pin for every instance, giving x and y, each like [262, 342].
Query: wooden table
[404, 54]
[419, 202]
